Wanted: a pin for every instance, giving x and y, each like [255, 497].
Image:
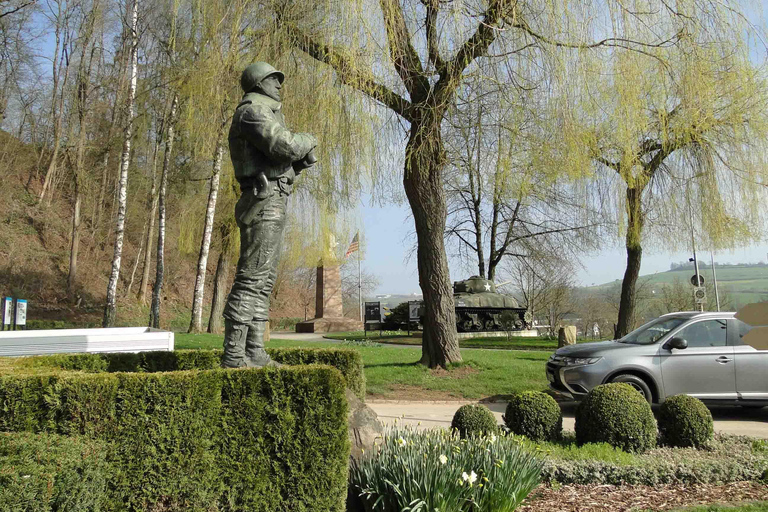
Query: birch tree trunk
[154, 313]
[110, 308]
[195, 324]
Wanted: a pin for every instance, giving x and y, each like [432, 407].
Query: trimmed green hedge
[535, 415]
[685, 421]
[474, 420]
[43, 472]
[347, 361]
[616, 414]
[227, 440]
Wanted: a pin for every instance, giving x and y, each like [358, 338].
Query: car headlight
[573, 361]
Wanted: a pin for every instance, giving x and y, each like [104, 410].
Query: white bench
[59, 341]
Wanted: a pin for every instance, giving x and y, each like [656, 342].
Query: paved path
[730, 420]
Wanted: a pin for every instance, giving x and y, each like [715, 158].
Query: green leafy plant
[760, 445]
[436, 470]
[535, 415]
[473, 419]
[616, 414]
[685, 421]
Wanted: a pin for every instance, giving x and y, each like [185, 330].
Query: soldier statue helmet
[255, 73]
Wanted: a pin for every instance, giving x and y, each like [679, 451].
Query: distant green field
[742, 284]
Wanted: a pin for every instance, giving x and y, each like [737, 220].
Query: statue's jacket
[259, 141]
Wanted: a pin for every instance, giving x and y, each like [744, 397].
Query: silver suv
[698, 354]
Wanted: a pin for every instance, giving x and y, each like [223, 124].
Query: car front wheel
[637, 383]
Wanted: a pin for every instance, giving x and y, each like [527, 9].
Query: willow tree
[679, 133]
[410, 57]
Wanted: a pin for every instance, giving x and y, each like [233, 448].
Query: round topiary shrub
[685, 421]
[535, 415]
[616, 414]
[474, 420]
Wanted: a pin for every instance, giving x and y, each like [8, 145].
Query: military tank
[479, 307]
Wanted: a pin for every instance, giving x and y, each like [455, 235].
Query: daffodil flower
[443, 459]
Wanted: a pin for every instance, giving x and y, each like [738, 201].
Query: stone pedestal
[329, 316]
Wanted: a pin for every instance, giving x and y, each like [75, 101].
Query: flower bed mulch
[612, 498]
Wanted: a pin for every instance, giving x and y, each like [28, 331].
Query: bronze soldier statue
[266, 157]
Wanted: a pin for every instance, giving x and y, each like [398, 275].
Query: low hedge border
[228, 440]
[46, 473]
[727, 459]
[348, 361]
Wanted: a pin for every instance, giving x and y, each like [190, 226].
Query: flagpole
[359, 278]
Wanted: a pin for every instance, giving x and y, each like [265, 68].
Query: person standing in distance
[266, 158]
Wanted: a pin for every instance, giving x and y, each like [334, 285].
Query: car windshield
[653, 331]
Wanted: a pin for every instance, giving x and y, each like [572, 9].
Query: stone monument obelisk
[329, 316]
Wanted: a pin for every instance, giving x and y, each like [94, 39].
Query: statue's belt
[263, 187]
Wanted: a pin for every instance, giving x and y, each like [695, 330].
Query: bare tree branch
[619, 42]
[433, 49]
[474, 47]
[17, 9]
[401, 50]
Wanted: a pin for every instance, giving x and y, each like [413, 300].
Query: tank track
[470, 319]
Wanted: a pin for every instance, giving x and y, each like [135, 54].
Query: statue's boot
[255, 355]
[234, 344]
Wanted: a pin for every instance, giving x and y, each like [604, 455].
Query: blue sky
[389, 236]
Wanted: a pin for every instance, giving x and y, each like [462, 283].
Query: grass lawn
[394, 372]
[403, 338]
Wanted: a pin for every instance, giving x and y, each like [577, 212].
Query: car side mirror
[678, 343]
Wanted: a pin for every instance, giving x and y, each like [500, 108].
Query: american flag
[354, 246]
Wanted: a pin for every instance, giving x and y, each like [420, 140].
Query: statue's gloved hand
[308, 161]
[310, 157]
